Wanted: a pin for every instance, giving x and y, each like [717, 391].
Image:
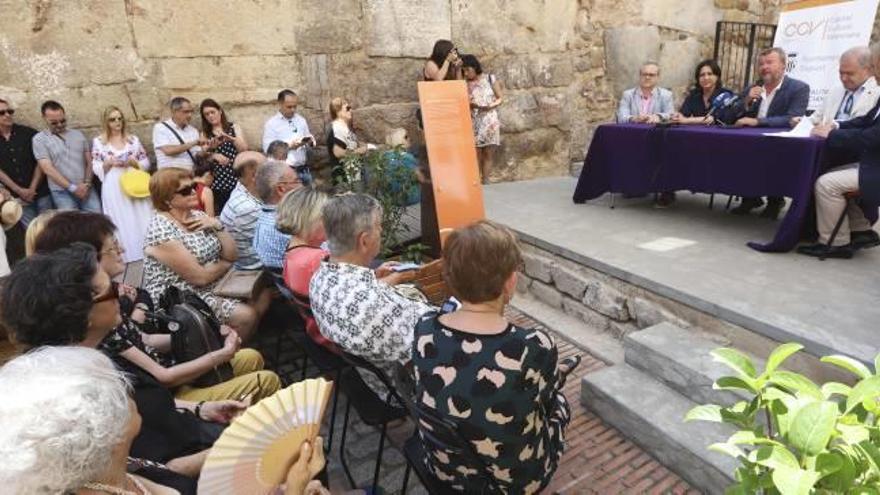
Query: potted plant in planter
[796, 437]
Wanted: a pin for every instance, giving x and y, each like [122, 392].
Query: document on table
[803, 129]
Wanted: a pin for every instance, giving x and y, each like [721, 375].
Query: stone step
[652, 416]
[680, 359]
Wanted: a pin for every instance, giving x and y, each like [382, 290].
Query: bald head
[855, 67]
[246, 165]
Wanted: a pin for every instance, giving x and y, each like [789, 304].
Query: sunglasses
[186, 190]
[114, 119]
[8, 111]
[111, 294]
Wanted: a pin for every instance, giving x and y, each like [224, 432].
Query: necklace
[114, 490]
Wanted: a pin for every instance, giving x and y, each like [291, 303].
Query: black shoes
[774, 206]
[820, 250]
[864, 239]
[747, 205]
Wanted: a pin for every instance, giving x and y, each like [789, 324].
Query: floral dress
[503, 392]
[487, 126]
[205, 246]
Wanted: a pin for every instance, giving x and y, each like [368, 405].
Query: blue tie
[846, 108]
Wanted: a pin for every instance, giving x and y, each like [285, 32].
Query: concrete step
[680, 359]
[652, 416]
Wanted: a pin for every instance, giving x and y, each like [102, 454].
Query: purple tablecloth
[639, 159]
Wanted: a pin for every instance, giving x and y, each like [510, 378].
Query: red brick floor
[598, 458]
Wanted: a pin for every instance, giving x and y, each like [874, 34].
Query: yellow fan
[254, 453]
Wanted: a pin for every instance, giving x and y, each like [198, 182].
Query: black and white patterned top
[224, 176]
[364, 316]
[205, 246]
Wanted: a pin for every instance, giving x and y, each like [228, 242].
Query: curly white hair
[64, 409]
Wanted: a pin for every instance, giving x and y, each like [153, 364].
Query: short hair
[70, 226]
[776, 50]
[248, 159]
[105, 122]
[650, 62]
[336, 105]
[300, 210]
[862, 54]
[50, 105]
[278, 148]
[284, 93]
[164, 185]
[396, 137]
[177, 102]
[64, 411]
[48, 296]
[346, 217]
[713, 66]
[203, 165]
[478, 260]
[34, 229]
[267, 178]
[471, 61]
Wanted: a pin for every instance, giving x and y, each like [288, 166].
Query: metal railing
[737, 45]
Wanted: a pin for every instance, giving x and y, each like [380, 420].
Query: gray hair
[396, 137]
[267, 178]
[177, 102]
[346, 217]
[300, 211]
[64, 411]
[779, 51]
[650, 62]
[276, 147]
[861, 54]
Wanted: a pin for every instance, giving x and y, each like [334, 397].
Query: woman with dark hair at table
[706, 95]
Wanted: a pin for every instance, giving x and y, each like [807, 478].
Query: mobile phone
[405, 267]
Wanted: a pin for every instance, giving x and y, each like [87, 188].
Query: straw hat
[10, 213]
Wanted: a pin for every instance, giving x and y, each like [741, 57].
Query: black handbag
[195, 331]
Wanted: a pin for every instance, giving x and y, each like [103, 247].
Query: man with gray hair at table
[647, 103]
[274, 180]
[857, 93]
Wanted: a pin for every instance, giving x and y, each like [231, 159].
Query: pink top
[646, 102]
[300, 264]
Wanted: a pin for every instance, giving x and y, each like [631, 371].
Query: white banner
[814, 33]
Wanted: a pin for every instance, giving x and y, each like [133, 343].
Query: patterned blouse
[205, 246]
[503, 392]
[224, 176]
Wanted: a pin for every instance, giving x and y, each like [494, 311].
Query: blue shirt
[269, 242]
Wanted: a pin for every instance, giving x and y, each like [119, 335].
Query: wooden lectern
[452, 159]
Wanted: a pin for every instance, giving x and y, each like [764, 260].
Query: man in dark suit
[856, 141]
[771, 103]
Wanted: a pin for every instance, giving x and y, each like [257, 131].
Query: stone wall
[564, 62]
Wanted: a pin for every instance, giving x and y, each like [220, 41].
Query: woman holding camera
[444, 62]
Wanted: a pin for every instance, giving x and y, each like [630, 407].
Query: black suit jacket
[859, 138]
[791, 100]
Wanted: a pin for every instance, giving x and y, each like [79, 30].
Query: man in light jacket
[647, 103]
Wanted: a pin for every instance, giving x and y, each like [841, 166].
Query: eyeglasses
[650, 74]
[111, 294]
[114, 119]
[186, 190]
[115, 248]
[8, 111]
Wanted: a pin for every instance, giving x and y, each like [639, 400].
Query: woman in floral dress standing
[486, 96]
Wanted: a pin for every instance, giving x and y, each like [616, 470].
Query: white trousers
[830, 204]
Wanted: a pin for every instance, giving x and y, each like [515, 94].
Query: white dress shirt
[767, 99]
[280, 128]
[162, 136]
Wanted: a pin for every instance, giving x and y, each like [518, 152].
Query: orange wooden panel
[452, 154]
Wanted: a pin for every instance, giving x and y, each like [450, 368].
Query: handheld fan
[254, 453]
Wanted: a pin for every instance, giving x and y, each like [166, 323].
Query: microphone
[721, 102]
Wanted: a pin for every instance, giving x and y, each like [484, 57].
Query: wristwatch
[72, 187]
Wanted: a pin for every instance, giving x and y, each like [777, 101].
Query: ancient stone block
[538, 153]
[538, 267]
[406, 28]
[626, 48]
[276, 72]
[546, 294]
[364, 81]
[373, 123]
[621, 329]
[588, 316]
[648, 313]
[523, 283]
[677, 62]
[699, 16]
[328, 27]
[569, 282]
[607, 300]
[519, 112]
[513, 26]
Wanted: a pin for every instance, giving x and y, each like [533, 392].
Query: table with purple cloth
[636, 159]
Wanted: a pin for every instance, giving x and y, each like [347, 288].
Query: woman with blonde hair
[114, 151]
[341, 140]
[35, 228]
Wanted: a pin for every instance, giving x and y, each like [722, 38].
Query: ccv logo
[802, 29]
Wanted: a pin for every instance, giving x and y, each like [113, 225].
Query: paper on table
[803, 129]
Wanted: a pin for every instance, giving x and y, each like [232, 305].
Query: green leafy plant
[795, 437]
[381, 174]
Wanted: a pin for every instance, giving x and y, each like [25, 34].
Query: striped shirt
[269, 242]
[240, 217]
[66, 151]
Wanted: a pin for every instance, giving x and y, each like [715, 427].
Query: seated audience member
[444, 62]
[129, 343]
[400, 162]
[72, 302]
[274, 180]
[63, 155]
[225, 141]
[299, 216]
[290, 127]
[771, 103]
[277, 150]
[240, 214]
[341, 140]
[702, 99]
[486, 95]
[203, 176]
[114, 151]
[35, 228]
[175, 141]
[857, 143]
[18, 168]
[10, 214]
[189, 250]
[356, 307]
[498, 382]
[68, 425]
[857, 93]
[647, 103]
